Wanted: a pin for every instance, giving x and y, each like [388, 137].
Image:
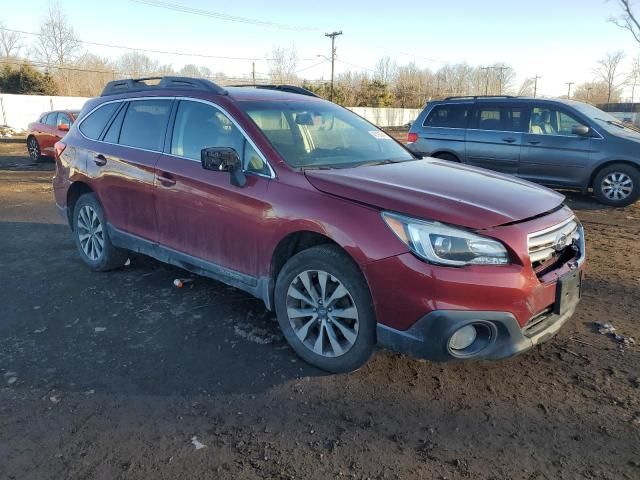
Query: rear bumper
[429, 337]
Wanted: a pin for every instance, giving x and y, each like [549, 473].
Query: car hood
[439, 190]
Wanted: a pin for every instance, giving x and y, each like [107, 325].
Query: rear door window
[448, 116]
[145, 123]
[499, 119]
[93, 125]
[113, 132]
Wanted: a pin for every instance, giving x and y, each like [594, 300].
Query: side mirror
[64, 127]
[224, 159]
[580, 130]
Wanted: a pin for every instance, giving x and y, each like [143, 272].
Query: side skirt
[256, 286]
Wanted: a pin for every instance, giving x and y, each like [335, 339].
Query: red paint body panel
[440, 190]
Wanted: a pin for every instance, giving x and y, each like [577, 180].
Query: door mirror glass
[224, 159]
[581, 130]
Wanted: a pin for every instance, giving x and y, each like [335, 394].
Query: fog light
[463, 338]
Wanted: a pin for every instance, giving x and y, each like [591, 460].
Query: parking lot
[122, 375]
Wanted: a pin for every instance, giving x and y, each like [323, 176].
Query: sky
[560, 40]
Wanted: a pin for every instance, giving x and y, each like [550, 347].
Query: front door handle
[509, 139]
[100, 160]
[166, 179]
[533, 142]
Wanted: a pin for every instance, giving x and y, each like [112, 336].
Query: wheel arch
[608, 163]
[76, 190]
[438, 153]
[294, 243]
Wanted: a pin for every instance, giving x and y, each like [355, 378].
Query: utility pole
[253, 73]
[569, 92]
[502, 69]
[332, 36]
[486, 86]
[535, 85]
[589, 94]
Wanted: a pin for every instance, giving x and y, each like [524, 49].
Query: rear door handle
[100, 160]
[166, 179]
[509, 139]
[533, 142]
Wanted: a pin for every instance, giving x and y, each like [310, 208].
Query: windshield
[312, 134]
[604, 119]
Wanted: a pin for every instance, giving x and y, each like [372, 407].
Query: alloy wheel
[617, 186]
[34, 149]
[322, 313]
[90, 233]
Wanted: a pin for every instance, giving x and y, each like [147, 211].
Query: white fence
[18, 111]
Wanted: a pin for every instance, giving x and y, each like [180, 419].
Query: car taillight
[58, 148]
[412, 137]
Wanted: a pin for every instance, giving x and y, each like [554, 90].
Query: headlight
[444, 245]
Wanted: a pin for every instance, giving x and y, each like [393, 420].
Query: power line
[162, 52]
[221, 16]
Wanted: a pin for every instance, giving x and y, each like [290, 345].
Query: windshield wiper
[612, 122]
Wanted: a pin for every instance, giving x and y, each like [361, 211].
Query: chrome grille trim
[542, 244]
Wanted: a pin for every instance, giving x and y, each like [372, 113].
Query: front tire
[33, 147]
[92, 238]
[324, 309]
[617, 185]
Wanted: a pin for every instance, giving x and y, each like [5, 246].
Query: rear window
[144, 124]
[448, 116]
[93, 125]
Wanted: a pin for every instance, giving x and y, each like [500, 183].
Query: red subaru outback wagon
[348, 236]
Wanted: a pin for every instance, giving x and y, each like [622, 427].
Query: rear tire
[35, 154]
[448, 157]
[92, 237]
[617, 185]
[324, 309]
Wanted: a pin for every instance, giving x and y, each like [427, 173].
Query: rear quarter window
[448, 116]
[93, 125]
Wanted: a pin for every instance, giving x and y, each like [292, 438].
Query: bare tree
[136, 65]
[57, 42]
[607, 71]
[386, 70]
[282, 65]
[595, 93]
[527, 87]
[628, 19]
[10, 43]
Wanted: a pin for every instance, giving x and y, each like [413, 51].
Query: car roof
[508, 99]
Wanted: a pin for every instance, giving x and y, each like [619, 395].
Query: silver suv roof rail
[160, 83]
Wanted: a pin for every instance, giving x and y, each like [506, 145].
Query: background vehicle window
[144, 124]
[504, 119]
[93, 125]
[199, 126]
[63, 119]
[51, 119]
[113, 133]
[549, 121]
[448, 116]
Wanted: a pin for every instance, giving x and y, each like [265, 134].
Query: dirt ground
[114, 375]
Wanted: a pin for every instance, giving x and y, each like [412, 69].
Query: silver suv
[559, 143]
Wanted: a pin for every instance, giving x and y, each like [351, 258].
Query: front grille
[549, 246]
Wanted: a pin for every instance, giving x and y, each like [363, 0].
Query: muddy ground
[110, 376]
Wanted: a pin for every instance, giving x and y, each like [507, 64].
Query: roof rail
[151, 83]
[282, 88]
[476, 97]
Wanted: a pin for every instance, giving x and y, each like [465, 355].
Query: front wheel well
[291, 245]
[76, 190]
[596, 171]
